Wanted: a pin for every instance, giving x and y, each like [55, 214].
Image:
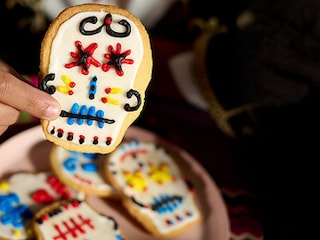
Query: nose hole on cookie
[93, 88]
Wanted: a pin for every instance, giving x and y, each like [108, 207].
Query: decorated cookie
[81, 171]
[74, 219]
[153, 188]
[96, 61]
[22, 195]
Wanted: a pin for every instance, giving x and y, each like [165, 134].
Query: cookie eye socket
[70, 164]
[89, 167]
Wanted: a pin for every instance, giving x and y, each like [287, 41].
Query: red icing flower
[116, 59]
[83, 57]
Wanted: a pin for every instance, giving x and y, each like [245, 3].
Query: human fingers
[3, 129]
[24, 97]
[8, 115]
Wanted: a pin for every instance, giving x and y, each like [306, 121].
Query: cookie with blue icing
[81, 171]
[96, 60]
[153, 187]
[22, 195]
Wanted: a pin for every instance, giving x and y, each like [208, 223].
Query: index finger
[24, 97]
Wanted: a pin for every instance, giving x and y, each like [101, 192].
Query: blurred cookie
[22, 195]
[74, 219]
[153, 188]
[81, 171]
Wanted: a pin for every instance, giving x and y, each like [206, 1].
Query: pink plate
[29, 151]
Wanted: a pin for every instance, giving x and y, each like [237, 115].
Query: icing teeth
[91, 111]
[100, 114]
[166, 203]
[81, 138]
[79, 114]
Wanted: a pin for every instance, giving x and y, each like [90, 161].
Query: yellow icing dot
[17, 233]
[160, 174]
[63, 89]
[68, 85]
[116, 90]
[136, 180]
[4, 186]
[66, 80]
[112, 91]
[110, 100]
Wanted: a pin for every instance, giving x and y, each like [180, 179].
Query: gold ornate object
[220, 115]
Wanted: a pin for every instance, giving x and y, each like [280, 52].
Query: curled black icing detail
[131, 93]
[92, 20]
[115, 224]
[138, 203]
[107, 23]
[121, 22]
[49, 89]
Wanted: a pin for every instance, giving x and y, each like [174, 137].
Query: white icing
[103, 227]
[178, 187]
[63, 44]
[80, 177]
[24, 185]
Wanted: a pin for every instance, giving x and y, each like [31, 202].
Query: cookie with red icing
[153, 187]
[24, 194]
[81, 171]
[75, 219]
[96, 60]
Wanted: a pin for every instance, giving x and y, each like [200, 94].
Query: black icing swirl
[44, 84]
[107, 23]
[127, 106]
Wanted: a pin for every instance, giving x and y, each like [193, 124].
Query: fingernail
[52, 112]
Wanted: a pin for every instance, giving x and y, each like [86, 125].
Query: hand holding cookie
[96, 61]
[16, 95]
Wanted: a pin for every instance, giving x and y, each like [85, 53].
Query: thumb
[24, 97]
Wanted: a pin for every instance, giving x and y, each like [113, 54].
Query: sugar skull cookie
[24, 194]
[153, 188]
[81, 171]
[96, 61]
[75, 219]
